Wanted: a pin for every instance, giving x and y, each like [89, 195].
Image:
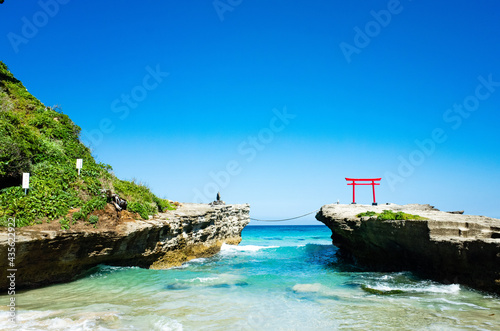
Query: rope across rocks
[285, 219]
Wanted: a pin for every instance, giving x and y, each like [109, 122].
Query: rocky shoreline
[45, 257]
[445, 246]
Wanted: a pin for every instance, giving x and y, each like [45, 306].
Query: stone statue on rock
[218, 201]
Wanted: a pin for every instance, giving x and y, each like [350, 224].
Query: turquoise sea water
[278, 278]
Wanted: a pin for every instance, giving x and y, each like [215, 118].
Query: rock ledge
[169, 239]
[447, 247]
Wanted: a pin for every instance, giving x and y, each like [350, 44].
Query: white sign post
[79, 165]
[26, 181]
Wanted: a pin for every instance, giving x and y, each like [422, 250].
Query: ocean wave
[167, 325]
[194, 261]
[182, 266]
[455, 303]
[202, 279]
[52, 320]
[422, 288]
[243, 248]
[89, 320]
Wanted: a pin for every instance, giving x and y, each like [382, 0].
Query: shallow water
[278, 278]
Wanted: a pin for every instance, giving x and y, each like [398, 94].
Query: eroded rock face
[450, 248]
[174, 237]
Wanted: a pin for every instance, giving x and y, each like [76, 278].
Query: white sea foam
[203, 279]
[182, 266]
[52, 320]
[197, 260]
[461, 303]
[166, 324]
[449, 289]
[453, 288]
[243, 248]
[190, 262]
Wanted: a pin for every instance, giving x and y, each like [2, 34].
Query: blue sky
[274, 103]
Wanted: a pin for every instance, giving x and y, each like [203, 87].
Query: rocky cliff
[447, 247]
[52, 256]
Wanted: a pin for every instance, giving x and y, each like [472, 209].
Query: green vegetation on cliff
[45, 142]
[391, 215]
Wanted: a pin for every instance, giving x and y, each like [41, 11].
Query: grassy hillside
[45, 142]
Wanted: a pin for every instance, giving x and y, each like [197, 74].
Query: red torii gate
[353, 183]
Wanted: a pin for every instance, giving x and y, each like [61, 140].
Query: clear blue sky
[275, 102]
